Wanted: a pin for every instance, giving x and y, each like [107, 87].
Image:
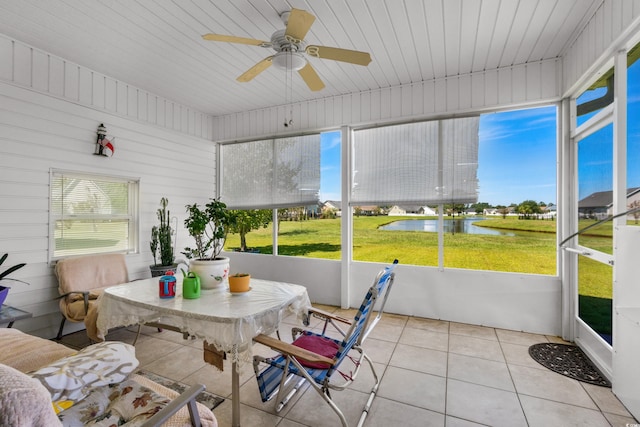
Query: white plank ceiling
[156, 45]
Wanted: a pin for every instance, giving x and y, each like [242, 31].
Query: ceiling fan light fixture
[289, 60]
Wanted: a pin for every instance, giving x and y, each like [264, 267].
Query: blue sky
[517, 155]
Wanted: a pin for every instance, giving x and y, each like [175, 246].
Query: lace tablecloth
[228, 321]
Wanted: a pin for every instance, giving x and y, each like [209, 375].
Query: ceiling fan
[291, 48]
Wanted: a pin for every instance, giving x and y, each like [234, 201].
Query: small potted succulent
[4, 290]
[239, 282]
[160, 244]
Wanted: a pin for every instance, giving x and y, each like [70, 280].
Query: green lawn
[531, 250]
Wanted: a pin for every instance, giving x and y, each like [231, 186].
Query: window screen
[271, 173]
[428, 162]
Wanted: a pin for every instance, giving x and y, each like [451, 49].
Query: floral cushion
[125, 404]
[72, 378]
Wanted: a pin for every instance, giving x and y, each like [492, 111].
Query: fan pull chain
[288, 90]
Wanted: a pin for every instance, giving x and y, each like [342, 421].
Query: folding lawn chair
[316, 357]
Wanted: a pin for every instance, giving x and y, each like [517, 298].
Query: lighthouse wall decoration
[104, 147]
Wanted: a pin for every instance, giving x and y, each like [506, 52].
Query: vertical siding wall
[49, 112]
[46, 73]
[613, 20]
[519, 85]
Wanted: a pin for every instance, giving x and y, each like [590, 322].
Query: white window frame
[132, 217]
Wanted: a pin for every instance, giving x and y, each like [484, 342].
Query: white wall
[503, 300]
[49, 113]
[612, 22]
[510, 86]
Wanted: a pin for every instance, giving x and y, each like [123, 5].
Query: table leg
[235, 395]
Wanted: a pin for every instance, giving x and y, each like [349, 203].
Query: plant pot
[212, 273]
[239, 283]
[4, 291]
[161, 270]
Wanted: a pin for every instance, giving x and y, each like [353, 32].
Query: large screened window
[594, 136]
[475, 193]
[281, 174]
[633, 136]
[403, 172]
[92, 214]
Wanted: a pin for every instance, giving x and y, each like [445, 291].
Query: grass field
[532, 249]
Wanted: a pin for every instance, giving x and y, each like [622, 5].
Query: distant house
[599, 205]
[426, 210]
[334, 206]
[510, 210]
[396, 210]
[411, 210]
[368, 210]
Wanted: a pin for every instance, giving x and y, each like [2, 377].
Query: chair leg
[289, 395]
[372, 395]
[137, 334]
[59, 336]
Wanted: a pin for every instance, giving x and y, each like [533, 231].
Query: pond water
[462, 225]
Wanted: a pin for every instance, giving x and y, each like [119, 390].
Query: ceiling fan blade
[311, 78]
[298, 24]
[337, 54]
[255, 70]
[234, 39]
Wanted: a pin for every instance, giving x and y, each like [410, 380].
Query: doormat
[209, 400]
[568, 360]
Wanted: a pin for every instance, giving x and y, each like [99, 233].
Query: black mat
[209, 400]
[568, 360]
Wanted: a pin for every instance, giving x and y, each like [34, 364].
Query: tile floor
[433, 373]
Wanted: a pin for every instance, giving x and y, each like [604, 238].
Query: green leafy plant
[161, 236]
[209, 228]
[4, 274]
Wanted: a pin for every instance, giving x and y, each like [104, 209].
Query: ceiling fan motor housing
[288, 51]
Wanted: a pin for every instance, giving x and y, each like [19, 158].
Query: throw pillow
[126, 403]
[319, 345]
[72, 378]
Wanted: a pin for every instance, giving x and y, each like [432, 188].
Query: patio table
[227, 321]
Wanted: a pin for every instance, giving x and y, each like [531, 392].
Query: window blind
[92, 214]
[430, 162]
[271, 173]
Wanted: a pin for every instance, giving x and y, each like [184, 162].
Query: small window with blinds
[92, 214]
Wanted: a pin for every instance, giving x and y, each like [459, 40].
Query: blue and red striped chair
[315, 357]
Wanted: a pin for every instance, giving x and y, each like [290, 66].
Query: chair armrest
[291, 350]
[84, 293]
[326, 315]
[188, 397]
[85, 296]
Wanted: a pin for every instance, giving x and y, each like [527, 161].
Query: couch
[44, 383]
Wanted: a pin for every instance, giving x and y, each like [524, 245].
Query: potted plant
[4, 290]
[208, 227]
[160, 243]
[239, 282]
